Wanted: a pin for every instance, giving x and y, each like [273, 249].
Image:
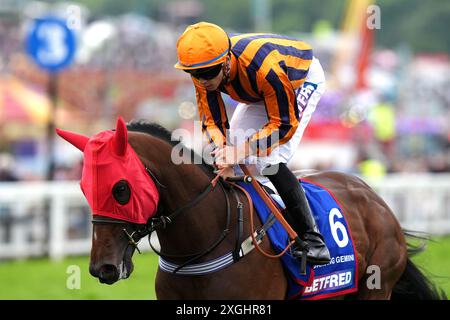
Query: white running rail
[53, 219]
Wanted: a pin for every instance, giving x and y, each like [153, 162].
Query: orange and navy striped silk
[264, 68]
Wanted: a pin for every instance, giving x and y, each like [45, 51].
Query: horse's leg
[379, 240]
[385, 266]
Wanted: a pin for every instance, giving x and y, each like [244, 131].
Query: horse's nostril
[93, 271]
[108, 273]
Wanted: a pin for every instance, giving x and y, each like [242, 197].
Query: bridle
[133, 238]
[162, 221]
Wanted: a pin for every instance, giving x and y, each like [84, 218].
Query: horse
[197, 221]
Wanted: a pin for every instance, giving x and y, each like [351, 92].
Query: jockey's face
[222, 77]
[211, 78]
[212, 84]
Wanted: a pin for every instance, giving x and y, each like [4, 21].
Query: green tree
[422, 24]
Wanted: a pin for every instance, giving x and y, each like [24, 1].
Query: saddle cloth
[338, 277]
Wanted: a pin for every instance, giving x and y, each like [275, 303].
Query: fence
[53, 219]
[420, 202]
[45, 219]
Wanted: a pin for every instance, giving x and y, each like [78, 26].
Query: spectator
[6, 168]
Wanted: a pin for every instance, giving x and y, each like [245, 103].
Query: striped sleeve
[282, 112]
[212, 114]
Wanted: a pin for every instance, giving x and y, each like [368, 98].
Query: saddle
[336, 278]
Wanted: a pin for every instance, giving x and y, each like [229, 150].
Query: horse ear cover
[77, 140]
[120, 141]
[102, 147]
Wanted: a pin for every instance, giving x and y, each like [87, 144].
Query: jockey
[278, 83]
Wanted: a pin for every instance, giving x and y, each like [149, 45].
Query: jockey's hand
[227, 156]
[226, 172]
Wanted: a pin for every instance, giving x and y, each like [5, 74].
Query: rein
[164, 219]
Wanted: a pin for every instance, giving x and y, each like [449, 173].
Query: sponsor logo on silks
[336, 260]
[305, 92]
[333, 281]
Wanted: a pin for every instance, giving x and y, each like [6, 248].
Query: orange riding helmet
[202, 45]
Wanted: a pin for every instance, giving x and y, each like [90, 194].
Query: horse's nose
[93, 270]
[108, 273]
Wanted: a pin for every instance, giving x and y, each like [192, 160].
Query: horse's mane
[162, 133]
[152, 129]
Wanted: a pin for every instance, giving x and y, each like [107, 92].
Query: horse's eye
[121, 192]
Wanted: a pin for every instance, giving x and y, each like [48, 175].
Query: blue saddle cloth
[336, 278]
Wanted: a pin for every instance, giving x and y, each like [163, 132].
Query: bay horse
[196, 222]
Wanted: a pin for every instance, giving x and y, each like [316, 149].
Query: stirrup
[300, 251]
[303, 247]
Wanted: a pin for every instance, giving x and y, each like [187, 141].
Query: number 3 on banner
[337, 225]
[54, 51]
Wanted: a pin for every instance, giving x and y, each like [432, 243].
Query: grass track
[44, 279]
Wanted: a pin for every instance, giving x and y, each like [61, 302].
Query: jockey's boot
[303, 222]
[298, 214]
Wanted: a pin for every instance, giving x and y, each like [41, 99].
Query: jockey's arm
[282, 113]
[213, 115]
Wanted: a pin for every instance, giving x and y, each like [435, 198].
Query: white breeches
[249, 118]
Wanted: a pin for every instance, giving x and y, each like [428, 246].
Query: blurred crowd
[399, 123]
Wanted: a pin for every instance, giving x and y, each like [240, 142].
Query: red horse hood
[109, 159]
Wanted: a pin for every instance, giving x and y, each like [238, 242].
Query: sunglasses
[206, 73]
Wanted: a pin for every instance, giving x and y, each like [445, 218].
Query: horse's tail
[413, 284]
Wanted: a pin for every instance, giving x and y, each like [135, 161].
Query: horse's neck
[197, 227]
